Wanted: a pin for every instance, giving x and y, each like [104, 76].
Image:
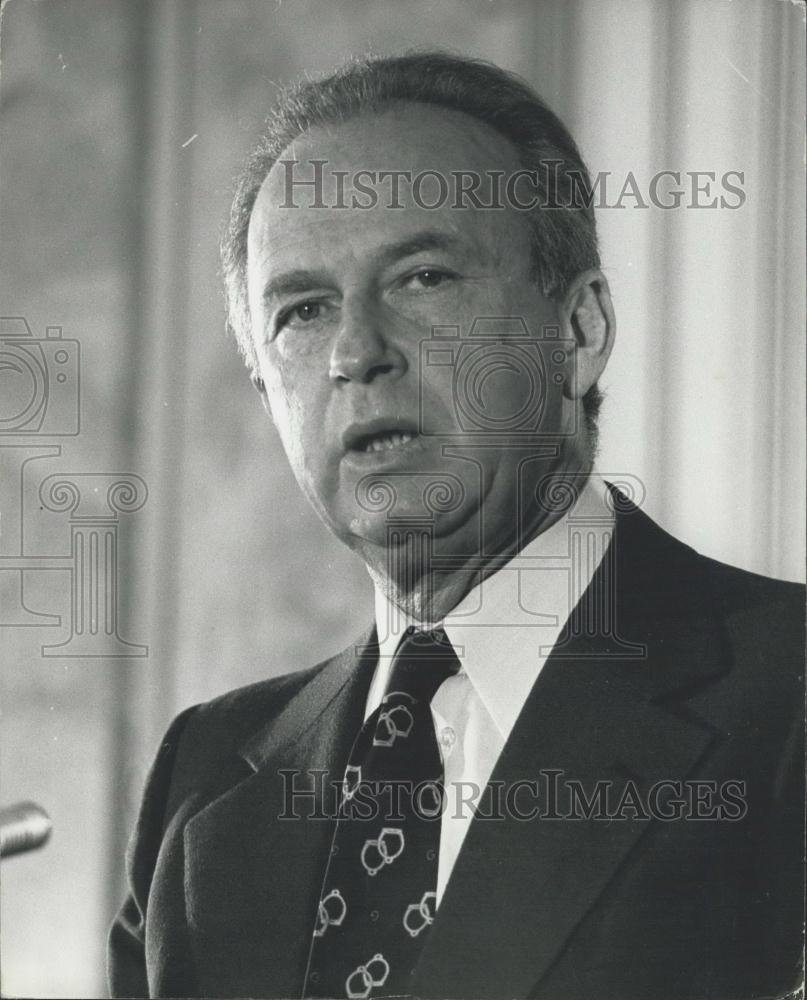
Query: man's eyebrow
[428, 239]
[302, 280]
[294, 282]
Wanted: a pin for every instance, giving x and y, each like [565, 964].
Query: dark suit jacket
[223, 894]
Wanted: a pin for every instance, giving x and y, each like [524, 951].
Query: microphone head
[23, 827]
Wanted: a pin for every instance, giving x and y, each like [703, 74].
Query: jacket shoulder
[764, 610]
[741, 588]
[206, 737]
[241, 708]
[762, 629]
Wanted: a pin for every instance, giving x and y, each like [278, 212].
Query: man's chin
[440, 531]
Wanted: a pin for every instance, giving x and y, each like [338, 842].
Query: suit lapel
[520, 888]
[252, 877]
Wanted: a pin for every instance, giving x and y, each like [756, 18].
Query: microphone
[23, 827]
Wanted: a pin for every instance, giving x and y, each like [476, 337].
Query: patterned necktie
[378, 898]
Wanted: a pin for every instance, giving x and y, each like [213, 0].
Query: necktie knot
[424, 659]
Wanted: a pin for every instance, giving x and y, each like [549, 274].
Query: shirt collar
[504, 629]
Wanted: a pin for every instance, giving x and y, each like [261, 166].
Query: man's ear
[260, 386]
[587, 315]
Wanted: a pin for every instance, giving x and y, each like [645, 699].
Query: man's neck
[427, 594]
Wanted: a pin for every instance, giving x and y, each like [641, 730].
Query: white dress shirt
[503, 631]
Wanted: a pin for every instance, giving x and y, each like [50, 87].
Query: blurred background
[123, 124]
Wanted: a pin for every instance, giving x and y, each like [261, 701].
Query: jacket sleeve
[126, 958]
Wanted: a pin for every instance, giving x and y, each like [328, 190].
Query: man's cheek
[284, 408]
[290, 422]
[437, 409]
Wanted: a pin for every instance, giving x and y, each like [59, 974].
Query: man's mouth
[384, 442]
[381, 435]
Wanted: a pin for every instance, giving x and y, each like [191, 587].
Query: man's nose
[363, 349]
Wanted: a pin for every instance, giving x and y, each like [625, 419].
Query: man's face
[344, 303]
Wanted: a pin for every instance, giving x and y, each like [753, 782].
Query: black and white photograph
[402, 509]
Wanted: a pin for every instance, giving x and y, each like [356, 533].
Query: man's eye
[299, 315]
[430, 277]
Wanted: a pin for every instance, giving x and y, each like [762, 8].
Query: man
[592, 732]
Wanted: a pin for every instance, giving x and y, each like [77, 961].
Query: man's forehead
[417, 142]
[311, 194]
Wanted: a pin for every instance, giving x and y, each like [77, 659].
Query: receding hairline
[487, 140]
